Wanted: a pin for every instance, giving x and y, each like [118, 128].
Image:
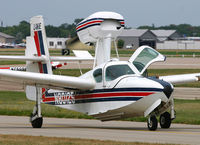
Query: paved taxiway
[94, 129]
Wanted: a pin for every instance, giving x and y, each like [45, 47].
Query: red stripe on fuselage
[119, 94]
[88, 23]
[103, 95]
[4, 67]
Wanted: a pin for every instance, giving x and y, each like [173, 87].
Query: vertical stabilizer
[37, 46]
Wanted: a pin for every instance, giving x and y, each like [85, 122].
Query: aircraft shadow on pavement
[131, 128]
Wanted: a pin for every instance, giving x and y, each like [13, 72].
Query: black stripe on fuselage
[95, 100]
[110, 91]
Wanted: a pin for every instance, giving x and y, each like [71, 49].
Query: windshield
[98, 75]
[144, 58]
[115, 71]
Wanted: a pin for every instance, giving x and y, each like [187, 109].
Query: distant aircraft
[6, 45]
[112, 90]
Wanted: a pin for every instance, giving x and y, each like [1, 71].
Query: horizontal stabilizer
[47, 80]
[22, 58]
[82, 54]
[62, 58]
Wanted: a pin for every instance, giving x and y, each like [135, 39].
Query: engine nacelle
[100, 25]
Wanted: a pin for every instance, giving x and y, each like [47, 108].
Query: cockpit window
[144, 58]
[115, 71]
[98, 75]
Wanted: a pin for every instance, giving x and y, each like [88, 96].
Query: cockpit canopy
[137, 64]
[144, 56]
[112, 71]
[115, 71]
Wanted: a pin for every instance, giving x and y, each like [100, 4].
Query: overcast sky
[135, 12]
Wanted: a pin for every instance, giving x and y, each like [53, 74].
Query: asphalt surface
[94, 129]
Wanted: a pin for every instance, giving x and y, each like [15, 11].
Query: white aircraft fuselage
[119, 93]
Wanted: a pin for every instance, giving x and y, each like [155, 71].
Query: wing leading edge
[47, 80]
[181, 79]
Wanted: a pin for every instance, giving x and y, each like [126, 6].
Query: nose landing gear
[165, 120]
[152, 123]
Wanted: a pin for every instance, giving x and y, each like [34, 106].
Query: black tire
[165, 120]
[152, 123]
[37, 123]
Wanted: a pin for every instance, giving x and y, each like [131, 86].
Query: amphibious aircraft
[112, 90]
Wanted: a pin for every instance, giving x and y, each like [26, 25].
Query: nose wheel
[152, 123]
[165, 120]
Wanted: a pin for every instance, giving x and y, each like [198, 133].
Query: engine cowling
[100, 25]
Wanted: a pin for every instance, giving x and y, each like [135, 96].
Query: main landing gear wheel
[152, 123]
[36, 117]
[36, 122]
[165, 120]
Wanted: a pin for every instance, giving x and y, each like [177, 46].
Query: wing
[47, 80]
[22, 58]
[181, 79]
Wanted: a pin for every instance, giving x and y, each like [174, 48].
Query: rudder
[37, 46]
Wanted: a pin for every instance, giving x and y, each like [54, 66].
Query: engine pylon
[101, 28]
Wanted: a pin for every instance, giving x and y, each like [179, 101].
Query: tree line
[22, 30]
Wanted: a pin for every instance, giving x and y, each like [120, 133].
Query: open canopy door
[145, 56]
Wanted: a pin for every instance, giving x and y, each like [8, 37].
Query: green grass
[11, 62]
[70, 72]
[40, 140]
[15, 103]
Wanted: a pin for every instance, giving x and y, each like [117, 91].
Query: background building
[134, 38]
[56, 43]
[5, 38]
[163, 35]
